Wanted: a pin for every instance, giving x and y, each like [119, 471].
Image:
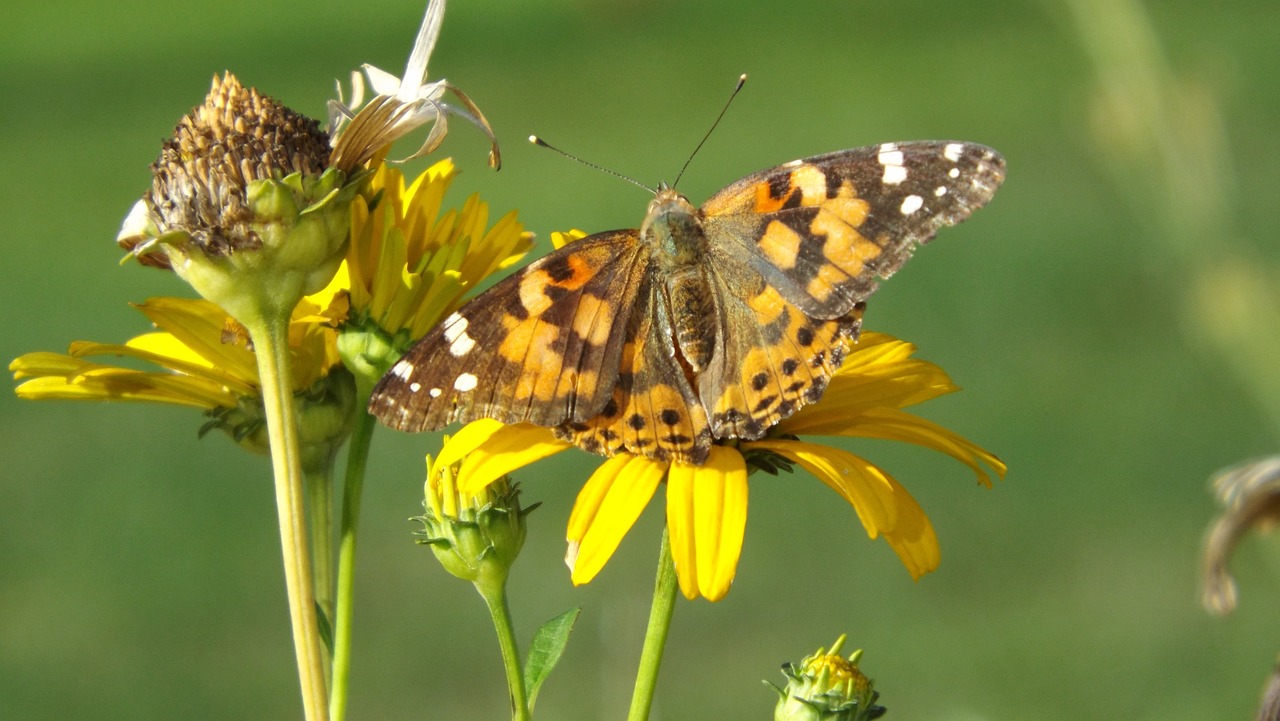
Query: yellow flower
[200, 357]
[410, 263]
[707, 505]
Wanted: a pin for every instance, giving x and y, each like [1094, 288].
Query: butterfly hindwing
[822, 230]
[771, 360]
[543, 345]
[653, 410]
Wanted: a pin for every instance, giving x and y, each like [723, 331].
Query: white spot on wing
[889, 155]
[954, 173]
[941, 191]
[462, 345]
[455, 331]
[891, 158]
[911, 204]
[465, 382]
[952, 151]
[894, 174]
[435, 392]
[415, 387]
[402, 370]
[792, 164]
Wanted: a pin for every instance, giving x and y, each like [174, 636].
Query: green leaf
[545, 651]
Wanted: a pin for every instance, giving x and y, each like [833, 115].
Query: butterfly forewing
[542, 346]
[823, 229]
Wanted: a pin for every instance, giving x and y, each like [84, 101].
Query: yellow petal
[882, 504]
[168, 353]
[707, 517]
[560, 240]
[606, 508]
[118, 384]
[857, 481]
[44, 363]
[198, 324]
[896, 425]
[851, 394]
[499, 451]
[466, 440]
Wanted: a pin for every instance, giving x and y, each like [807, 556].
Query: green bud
[324, 412]
[476, 538]
[368, 350]
[827, 687]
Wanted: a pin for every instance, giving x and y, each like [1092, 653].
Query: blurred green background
[139, 570]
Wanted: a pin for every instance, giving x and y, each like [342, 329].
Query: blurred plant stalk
[1162, 137]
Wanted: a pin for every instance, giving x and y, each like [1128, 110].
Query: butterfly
[705, 323]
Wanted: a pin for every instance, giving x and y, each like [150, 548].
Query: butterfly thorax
[672, 229]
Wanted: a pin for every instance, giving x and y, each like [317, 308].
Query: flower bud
[827, 687]
[476, 538]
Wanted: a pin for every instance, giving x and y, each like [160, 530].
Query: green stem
[270, 334]
[357, 460]
[495, 597]
[319, 483]
[655, 636]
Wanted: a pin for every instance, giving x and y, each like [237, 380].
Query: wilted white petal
[382, 82]
[415, 71]
[403, 105]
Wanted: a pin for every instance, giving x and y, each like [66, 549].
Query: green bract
[476, 538]
[827, 687]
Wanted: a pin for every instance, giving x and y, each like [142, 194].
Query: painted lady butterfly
[706, 323]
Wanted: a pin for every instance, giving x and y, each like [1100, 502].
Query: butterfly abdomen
[692, 316]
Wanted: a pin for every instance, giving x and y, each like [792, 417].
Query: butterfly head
[672, 226]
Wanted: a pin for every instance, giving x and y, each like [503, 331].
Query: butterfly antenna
[539, 141]
[742, 80]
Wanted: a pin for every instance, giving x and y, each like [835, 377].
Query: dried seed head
[237, 136]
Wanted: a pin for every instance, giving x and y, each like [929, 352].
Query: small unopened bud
[827, 687]
[476, 538]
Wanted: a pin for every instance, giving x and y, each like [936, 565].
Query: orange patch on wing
[529, 339]
[768, 305]
[532, 297]
[847, 208]
[780, 244]
[766, 203]
[594, 320]
[824, 281]
[580, 272]
[842, 245]
[570, 383]
[812, 183]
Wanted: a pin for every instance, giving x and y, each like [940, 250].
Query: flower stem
[655, 637]
[357, 460]
[270, 334]
[319, 485]
[495, 597]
